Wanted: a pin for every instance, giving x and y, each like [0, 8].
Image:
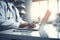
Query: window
[39, 8]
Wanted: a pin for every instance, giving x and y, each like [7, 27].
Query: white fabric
[12, 20]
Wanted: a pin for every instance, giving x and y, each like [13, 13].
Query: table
[31, 35]
[18, 35]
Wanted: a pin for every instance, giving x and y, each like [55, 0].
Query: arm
[22, 23]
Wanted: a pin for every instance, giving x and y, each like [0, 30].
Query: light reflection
[38, 9]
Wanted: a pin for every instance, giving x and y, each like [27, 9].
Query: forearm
[28, 25]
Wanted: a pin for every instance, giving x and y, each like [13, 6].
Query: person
[56, 22]
[12, 18]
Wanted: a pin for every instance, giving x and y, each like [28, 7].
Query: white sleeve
[19, 18]
[21, 21]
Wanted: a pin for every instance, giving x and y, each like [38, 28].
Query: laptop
[38, 26]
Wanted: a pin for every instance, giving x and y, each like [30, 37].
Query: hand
[23, 25]
[31, 25]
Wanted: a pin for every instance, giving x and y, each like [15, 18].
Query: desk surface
[30, 33]
[50, 30]
[22, 35]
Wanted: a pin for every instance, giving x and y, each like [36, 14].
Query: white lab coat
[11, 23]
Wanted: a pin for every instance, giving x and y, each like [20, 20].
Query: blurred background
[35, 10]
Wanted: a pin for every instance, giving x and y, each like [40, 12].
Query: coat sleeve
[20, 21]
